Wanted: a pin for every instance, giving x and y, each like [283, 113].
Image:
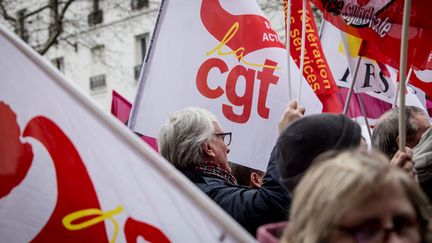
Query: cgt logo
[77, 215]
[243, 34]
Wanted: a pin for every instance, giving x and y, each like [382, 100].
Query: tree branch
[57, 30]
[37, 11]
[5, 14]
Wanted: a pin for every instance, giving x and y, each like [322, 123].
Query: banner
[316, 70]
[71, 173]
[225, 58]
[371, 78]
[421, 78]
[379, 22]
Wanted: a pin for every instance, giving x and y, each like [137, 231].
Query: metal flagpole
[351, 89]
[360, 100]
[302, 53]
[402, 74]
[288, 42]
[354, 75]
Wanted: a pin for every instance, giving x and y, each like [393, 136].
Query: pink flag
[374, 107]
[121, 109]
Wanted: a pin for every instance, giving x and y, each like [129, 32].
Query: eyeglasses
[373, 231]
[226, 137]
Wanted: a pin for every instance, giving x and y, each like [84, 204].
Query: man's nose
[228, 150]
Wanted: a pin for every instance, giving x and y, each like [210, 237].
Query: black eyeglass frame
[223, 135]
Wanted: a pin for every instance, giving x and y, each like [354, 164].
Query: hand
[292, 113]
[404, 161]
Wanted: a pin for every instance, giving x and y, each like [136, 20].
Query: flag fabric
[226, 58]
[121, 108]
[70, 173]
[372, 79]
[316, 70]
[374, 107]
[421, 78]
[378, 22]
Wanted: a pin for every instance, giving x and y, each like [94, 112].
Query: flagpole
[402, 72]
[288, 46]
[351, 89]
[302, 53]
[321, 27]
[397, 87]
[363, 110]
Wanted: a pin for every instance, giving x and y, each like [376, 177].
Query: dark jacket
[251, 208]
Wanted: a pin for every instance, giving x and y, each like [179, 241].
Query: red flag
[316, 70]
[379, 23]
[121, 109]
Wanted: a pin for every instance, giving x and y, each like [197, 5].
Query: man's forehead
[422, 118]
[217, 127]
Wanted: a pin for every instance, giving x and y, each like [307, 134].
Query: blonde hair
[332, 188]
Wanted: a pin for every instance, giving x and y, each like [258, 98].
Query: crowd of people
[322, 183]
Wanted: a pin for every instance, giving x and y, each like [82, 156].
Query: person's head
[357, 197]
[310, 136]
[247, 176]
[385, 135]
[193, 136]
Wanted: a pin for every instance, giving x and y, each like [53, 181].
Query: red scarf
[213, 169]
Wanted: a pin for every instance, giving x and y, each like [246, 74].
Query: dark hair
[242, 173]
[310, 136]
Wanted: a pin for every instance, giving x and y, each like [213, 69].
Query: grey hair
[181, 138]
[384, 137]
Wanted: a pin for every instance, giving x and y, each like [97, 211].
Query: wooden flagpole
[397, 87]
[402, 74]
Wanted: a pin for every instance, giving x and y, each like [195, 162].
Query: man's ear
[397, 141]
[254, 180]
[208, 149]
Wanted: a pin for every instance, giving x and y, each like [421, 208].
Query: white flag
[224, 56]
[70, 173]
[370, 78]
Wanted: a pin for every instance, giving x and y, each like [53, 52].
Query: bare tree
[35, 18]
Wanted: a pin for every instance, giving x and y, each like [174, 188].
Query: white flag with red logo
[380, 84]
[70, 173]
[224, 56]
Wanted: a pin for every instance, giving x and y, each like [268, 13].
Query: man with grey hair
[194, 142]
[385, 136]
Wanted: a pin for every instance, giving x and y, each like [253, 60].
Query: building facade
[104, 42]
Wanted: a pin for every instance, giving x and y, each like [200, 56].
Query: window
[142, 42]
[96, 16]
[58, 63]
[139, 4]
[97, 82]
[98, 54]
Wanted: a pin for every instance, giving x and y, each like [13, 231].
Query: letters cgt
[243, 34]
